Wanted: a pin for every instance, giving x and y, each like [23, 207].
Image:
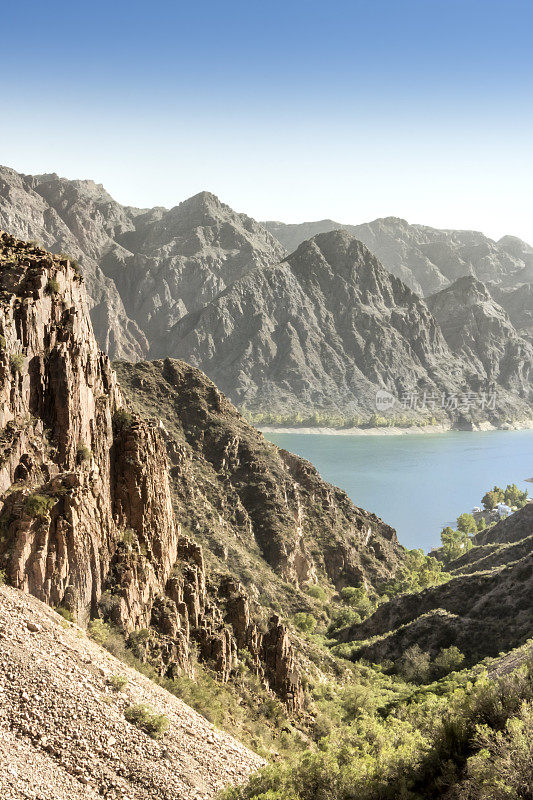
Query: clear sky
[293, 110]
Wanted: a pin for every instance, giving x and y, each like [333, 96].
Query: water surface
[418, 483]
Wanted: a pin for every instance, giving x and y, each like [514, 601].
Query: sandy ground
[392, 431]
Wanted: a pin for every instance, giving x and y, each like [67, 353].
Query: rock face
[484, 609]
[426, 259]
[144, 269]
[479, 331]
[174, 262]
[326, 329]
[87, 521]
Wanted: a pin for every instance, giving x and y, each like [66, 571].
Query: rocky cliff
[327, 328]
[87, 521]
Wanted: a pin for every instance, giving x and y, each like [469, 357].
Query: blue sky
[293, 111]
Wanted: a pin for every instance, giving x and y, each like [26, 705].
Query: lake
[418, 483]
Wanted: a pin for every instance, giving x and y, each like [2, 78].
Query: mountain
[78, 218]
[480, 332]
[426, 259]
[144, 268]
[484, 609]
[327, 328]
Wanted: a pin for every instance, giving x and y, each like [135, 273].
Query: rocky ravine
[328, 327]
[86, 506]
[63, 733]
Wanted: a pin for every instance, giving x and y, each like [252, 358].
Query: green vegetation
[327, 419]
[117, 682]
[39, 505]
[123, 419]
[470, 732]
[304, 622]
[66, 613]
[52, 286]
[418, 572]
[16, 362]
[83, 453]
[2, 577]
[511, 496]
[454, 544]
[155, 725]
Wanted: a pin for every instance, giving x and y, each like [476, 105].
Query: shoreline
[394, 431]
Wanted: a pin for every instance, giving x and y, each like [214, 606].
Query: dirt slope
[63, 734]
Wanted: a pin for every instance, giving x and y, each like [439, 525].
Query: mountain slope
[479, 331]
[248, 502]
[63, 731]
[484, 609]
[425, 258]
[324, 329]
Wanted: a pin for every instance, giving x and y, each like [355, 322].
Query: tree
[454, 543]
[414, 665]
[466, 523]
[482, 524]
[514, 497]
[448, 660]
[492, 498]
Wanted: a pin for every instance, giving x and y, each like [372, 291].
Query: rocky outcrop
[426, 259]
[87, 520]
[327, 329]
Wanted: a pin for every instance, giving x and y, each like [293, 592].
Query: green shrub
[117, 682]
[16, 362]
[123, 418]
[39, 505]
[52, 286]
[84, 453]
[448, 660]
[317, 592]
[144, 718]
[66, 613]
[3, 342]
[414, 665]
[304, 622]
[2, 577]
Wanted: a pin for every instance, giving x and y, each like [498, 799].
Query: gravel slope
[63, 734]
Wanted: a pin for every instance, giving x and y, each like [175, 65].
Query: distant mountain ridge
[302, 333]
[426, 259]
[328, 327]
[144, 268]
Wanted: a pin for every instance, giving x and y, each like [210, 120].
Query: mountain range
[171, 539]
[321, 330]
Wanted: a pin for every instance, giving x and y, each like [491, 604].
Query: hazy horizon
[292, 112]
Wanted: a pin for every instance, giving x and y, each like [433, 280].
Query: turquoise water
[418, 483]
